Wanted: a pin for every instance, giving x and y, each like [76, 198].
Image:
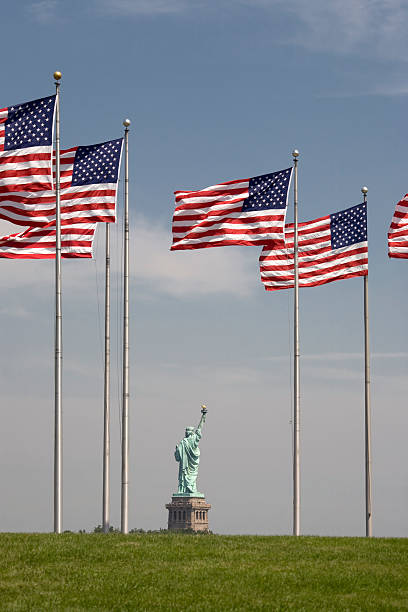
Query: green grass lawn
[201, 572]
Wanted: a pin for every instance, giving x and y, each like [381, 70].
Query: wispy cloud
[190, 274]
[339, 26]
[344, 26]
[43, 11]
[17, 312]
[143, 7]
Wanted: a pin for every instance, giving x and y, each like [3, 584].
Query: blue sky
[215, 91]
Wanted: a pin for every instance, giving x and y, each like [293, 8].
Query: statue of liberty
[187, 454]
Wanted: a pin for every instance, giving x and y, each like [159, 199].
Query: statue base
[188, 512]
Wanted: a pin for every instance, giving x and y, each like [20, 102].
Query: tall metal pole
[296, 381]
[58, 325]
[367, 406]
[106, 410]
[125, 390]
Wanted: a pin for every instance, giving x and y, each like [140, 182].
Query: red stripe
[29, 200]
[6, 255]
[401, 214]
[83, 232]
[29, 214]
[25, 187]
[397, 226]
[34, 223]
[217, 194]
[397, 244]
[403, 231]
[221, 232]
[75, 255]
[68, 231]
[11, 158]
[89, 207]
[195, 218]
[32, 243]
[242, 242]
[40, 212]
[207, 206]
[23, 172]
[63, 173]
[91, 193]
[93, 219]
[234, 182]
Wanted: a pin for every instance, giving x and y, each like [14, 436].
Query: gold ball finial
[126, 123]
[57, 75]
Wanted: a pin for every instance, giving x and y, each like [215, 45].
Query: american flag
[330, 248]
[398, 232]
[39, 242]
[243, 212]
[89, 181]
[25, 155]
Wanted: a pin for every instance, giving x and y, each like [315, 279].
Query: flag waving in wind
[330, 248]
[89, 181]
[398, 232]
[26, 132]
[242, 212]
[39, 242]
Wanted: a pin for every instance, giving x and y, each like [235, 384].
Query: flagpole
[58, 325]
[367, 404]
[296, 380]
[125, 390]
[106, 410]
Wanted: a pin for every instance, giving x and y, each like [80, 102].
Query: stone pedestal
[188, 512]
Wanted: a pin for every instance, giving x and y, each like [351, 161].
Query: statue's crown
[189, 428]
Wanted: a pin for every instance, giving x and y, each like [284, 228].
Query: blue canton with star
[29, 124]
[349, 226]
[97, 163]
[268, 191]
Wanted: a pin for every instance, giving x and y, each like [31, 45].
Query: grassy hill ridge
[167, 571]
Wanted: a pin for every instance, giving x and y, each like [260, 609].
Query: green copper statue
[187, 454]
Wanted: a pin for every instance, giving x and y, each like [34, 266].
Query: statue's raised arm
[203, 415]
